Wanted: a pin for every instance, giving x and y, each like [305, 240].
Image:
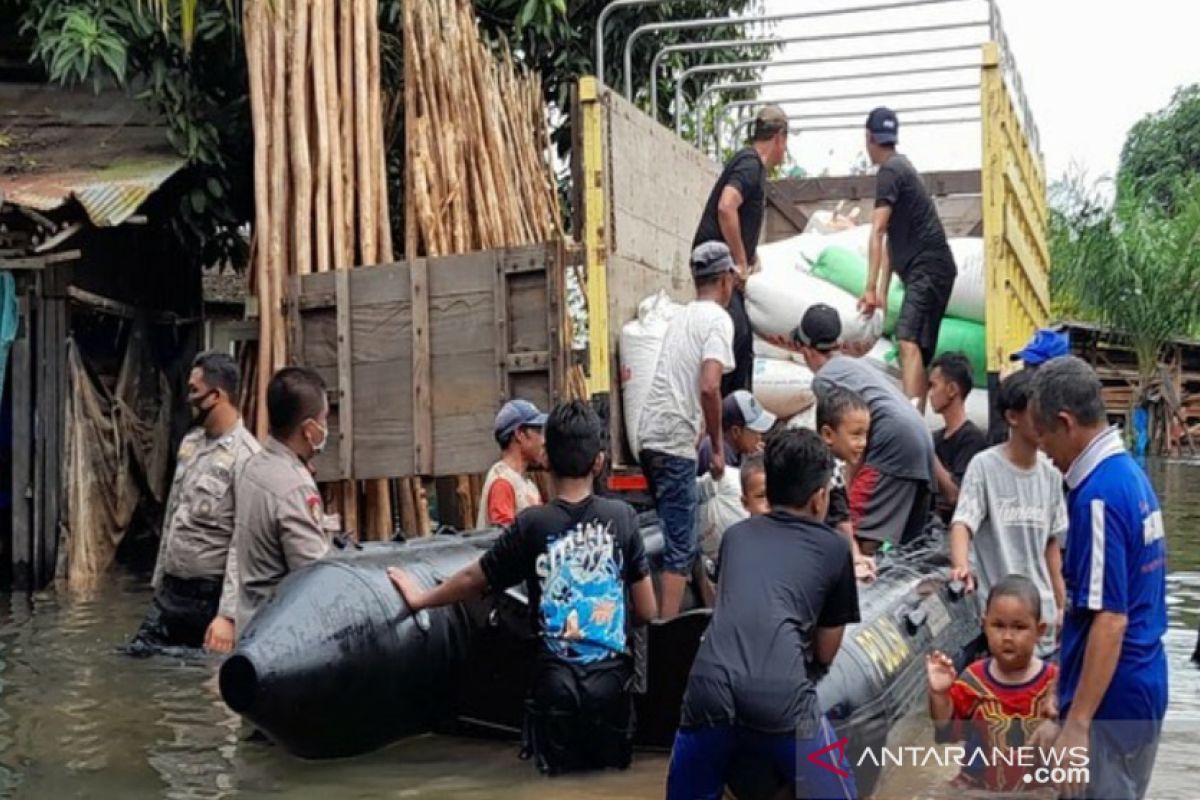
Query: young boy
[1011, 512]
[754, 486]
[844, 421]
[998, 702]
[955, 445]
[785, 594]
[582, 560]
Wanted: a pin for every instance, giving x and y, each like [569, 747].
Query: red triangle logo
[838, 747]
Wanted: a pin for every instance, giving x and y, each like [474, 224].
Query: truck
[420, 355]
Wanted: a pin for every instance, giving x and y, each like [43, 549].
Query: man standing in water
[195, 577]
[280, 516]
[1112, 691]
[916, 248]
[734, 215]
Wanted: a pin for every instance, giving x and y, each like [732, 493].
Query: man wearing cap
[745, 422]
[507, 491]
[916, 250]
[684, 402]
[890, 490]
[734, 215]
[1045, 345]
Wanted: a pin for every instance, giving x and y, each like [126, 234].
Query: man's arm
[469, 583]
[501, 503]
[1099, 664]
[826, 643]
[710, 404]
[945, 481]
[645, 605]
[1054, 567]
[960, 559]
[878, 263]
[728, 206]
[301, 536]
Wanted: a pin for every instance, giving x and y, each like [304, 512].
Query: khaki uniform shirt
[198, 525]
[279, 525]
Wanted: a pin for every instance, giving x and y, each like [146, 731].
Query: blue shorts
[672, 483]
[701, 758]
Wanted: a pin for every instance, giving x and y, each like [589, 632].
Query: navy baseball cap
[518, 414]
[820, 328]
[1045, 345]
[883, 125]
[712, 258]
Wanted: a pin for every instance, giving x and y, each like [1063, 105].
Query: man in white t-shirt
[683, 403]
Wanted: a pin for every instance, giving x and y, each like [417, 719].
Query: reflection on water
[78, 720]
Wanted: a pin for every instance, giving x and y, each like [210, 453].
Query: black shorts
[179, 615]
[580, 717]
[927, 287]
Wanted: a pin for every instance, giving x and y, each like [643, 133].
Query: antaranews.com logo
[1014, 765]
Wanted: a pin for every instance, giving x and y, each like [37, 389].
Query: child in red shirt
[997, 702]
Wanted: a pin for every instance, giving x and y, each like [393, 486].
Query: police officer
[280, 518]
[195, 577]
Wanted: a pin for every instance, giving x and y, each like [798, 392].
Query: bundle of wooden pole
[479, 174]
[320, 188]
[478, 144]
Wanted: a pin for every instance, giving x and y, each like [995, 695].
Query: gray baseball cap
[712, 258]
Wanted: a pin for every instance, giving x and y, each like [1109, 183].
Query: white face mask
[319, 447]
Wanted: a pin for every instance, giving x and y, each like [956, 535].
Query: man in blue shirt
[1113, 676]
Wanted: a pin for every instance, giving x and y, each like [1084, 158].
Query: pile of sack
[825, 264]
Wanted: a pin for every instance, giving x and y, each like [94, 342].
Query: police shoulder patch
[314, 507]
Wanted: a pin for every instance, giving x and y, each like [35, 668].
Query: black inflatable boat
[335, 665]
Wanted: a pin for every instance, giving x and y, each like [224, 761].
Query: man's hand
[414, 598]
[716, 466]
[864, 569]
[869, 302]
[1044, 735]
[939, 671]
[219, 636]
[782, 342]
[961, 573]
[1072, 737]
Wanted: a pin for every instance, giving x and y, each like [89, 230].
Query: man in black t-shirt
[950, 381]
[785, 593]
[582, 560]
[916, 250]
[734, 215]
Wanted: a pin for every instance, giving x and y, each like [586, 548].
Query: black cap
[712, 258]
[820, 328]
[883, 125]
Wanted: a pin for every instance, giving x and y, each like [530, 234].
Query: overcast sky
[1091, 70]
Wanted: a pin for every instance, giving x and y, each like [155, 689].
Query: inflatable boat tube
[334, 665]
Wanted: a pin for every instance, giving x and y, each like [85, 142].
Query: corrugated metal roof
[104, 151]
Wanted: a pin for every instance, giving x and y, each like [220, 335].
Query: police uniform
[280, 525]
[195, 576]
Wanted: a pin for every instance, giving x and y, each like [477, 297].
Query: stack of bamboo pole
[479, 147]
[478, 169]
[320, 188]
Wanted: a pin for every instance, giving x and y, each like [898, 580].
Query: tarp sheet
[117, 451]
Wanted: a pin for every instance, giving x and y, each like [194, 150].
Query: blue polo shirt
[1116, 560]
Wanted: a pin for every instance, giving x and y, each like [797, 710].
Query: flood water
[78, 720]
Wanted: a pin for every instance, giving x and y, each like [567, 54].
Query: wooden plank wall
[490, 322]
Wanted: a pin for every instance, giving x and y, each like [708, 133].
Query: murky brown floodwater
[78, 720]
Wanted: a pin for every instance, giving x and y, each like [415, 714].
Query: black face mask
[199, 413]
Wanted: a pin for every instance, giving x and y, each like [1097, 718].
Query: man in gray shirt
[195, 576]
[890, 490]
[280, 517]
[1011, 514]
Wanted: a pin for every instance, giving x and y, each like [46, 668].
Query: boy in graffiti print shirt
[584, 566]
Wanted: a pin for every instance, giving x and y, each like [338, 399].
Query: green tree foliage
[1129, 264]
[1162, 152]
[186, 61]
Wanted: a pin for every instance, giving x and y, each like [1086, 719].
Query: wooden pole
[368, 206]
[272, 292]
[346, 120]
[254, 15]
[302, 223]
[333, 105]
[320, 116]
